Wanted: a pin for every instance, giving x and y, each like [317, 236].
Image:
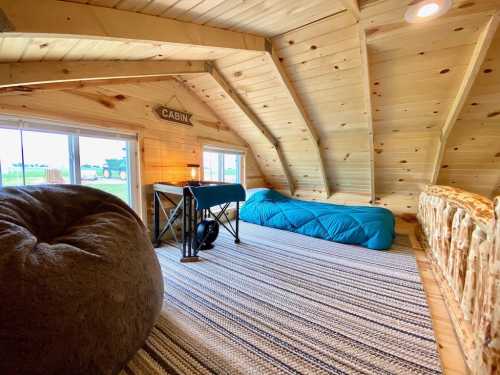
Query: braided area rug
[283, 303]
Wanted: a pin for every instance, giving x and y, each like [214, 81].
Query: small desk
[182, 199]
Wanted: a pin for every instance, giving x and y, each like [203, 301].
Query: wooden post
[368, 108]
[489, 327]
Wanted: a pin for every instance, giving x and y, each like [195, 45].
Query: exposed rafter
[286, 170]
[353, 7]
[214, 113]
[368, 107]
[217, 76]
[478, 56]
[39, 73]
[58, 86]
[67, 19]
[281, 74]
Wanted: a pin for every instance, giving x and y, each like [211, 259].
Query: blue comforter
[372, 227]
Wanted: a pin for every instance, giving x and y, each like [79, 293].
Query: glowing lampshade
[194, 172]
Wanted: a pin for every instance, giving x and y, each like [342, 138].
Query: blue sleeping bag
[372, 227]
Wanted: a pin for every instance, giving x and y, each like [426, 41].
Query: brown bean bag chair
[80, 284]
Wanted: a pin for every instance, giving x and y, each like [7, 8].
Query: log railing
[462, 235]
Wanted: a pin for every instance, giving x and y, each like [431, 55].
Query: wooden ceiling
[356, 102]
[472, 154]
[324, 63]
[262, 17]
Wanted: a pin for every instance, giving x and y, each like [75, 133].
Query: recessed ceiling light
[426, 10]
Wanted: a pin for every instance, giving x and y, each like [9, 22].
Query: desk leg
[184, 226]
[187, 242]
[237, 216]
[190, 226]
[156, 224]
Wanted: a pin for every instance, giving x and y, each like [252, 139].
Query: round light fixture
[425, 10]
[428, 10]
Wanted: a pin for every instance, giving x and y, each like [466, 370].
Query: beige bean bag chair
[80, 284]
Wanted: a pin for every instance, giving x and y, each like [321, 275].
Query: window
[11, 159]
[104, 164]
[32, 154]
[45, 158]
[222, 165]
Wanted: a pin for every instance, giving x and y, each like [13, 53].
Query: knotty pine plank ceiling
[324, 64]
[472, 155]
[263, 17]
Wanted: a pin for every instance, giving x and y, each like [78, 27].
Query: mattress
[371, 227]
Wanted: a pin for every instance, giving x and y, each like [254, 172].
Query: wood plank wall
[257, 82]
[416, 71]
[165, 147]
[212, 94]
[472, 155]
[324, 63]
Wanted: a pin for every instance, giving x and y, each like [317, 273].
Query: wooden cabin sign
[174, 115]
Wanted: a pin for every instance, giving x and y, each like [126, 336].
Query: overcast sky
[52, 149]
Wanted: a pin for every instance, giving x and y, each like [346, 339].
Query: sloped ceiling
[415, 76]
[389, 125]
[240, 71]
[255, 80]
[324, 63]
[472, 154]
[263, 17]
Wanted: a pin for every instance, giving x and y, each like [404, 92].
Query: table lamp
[194, 172]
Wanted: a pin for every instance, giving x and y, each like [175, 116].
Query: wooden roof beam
[283, 77]
[74, 20]
[286, 170]
[477, 58]
[31, 74]
[235, 97]
[353, 7]
[365, 66]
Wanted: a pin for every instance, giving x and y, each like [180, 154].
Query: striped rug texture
[283, 303]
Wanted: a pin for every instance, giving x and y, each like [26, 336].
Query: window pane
[210, 166]
[46, 158]
[231, 168]
[104, 165]
[11, 167]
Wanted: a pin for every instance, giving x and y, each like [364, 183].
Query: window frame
[74, 131]
[224, 150]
